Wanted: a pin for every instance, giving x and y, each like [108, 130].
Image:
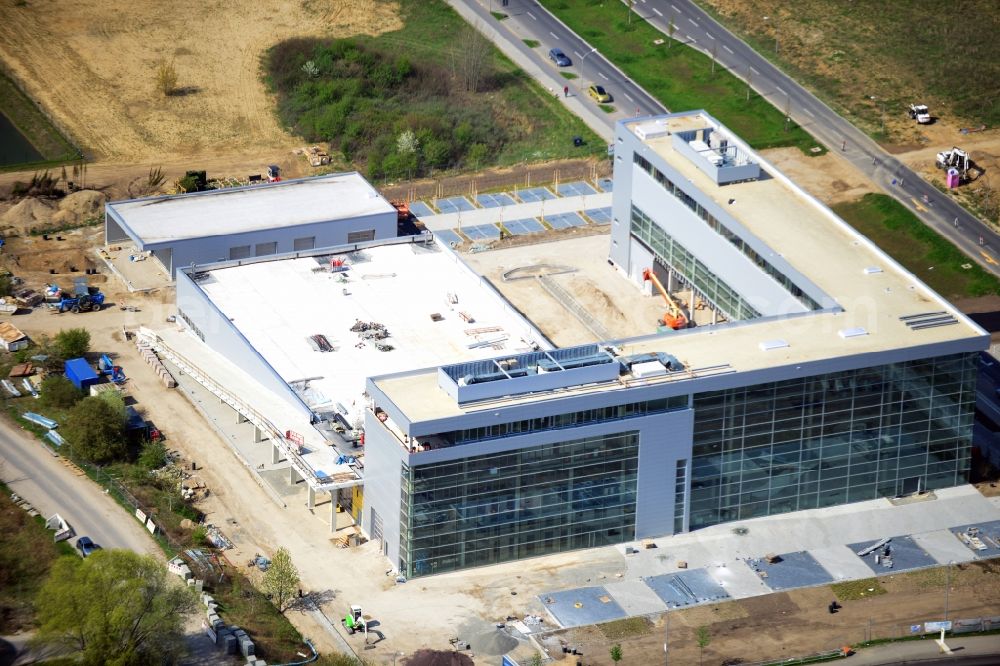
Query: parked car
[559, 58]
[599, 94]
[86, 546]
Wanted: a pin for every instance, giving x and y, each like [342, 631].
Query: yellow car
[599, 94]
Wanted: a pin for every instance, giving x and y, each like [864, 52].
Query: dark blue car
[559, 58]
[86, 546]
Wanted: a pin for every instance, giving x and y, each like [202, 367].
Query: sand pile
[33, 213]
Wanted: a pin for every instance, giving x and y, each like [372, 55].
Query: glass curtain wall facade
[493, 508]
[675, 255]
[832, 439]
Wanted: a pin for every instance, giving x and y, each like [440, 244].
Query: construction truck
[92, 299]
[956, 158]
[920, 113]
[674, 317]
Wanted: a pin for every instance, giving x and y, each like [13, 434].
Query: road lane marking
[754, 70]
[709, 35]
[553, 34]
[989, 258]
[693, 22]
[531, 15]
[675, 9]
[601, 74]
[577, 54]
[780, 90]
[916, 204]
[657, 12]
[809, 112]
[727, 49]
[628, 97]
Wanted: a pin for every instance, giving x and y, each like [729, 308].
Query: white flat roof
[400, 286]
[253, 208]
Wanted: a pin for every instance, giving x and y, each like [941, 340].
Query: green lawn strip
[531, 43]
[26, 554]
[679, 77]
[922, 251]
[500, 16]
[568, 75]
[54, 147]
[626, 628]
[853, 590]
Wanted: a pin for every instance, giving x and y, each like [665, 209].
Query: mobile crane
[674, 317]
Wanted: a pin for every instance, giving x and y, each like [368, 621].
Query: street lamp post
[947, 587]
[774, 21]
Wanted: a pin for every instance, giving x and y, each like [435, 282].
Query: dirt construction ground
[798, 623]
[91, 65]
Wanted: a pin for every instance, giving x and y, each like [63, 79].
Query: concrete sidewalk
[927, 651]
[517, 211]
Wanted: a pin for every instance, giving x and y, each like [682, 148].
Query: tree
[59, 392]
[116, 607]
[153, 456]
[703, 638]
[166, 77]
[616, 653]
[471, 57]
[72, 342]
[281, 579]
[96, 430]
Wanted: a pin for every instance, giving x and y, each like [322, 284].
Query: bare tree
[671, 29]
[471, 57]
[715, 53]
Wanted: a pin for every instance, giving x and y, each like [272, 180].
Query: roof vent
[854, 332]
[768, 345]
[872, 270]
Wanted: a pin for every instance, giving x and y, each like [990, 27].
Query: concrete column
[258, 435]
[311, 501]
[240, 418]
[333, 511]
[275, 455]
[715, 316]
[292, 476]
[671, 283]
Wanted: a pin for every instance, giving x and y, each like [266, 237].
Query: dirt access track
[91, 65]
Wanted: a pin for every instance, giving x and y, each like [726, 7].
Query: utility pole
[947, 587]
[666, 640]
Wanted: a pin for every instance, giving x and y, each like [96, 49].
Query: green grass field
[54, 147]
[363, 99]
[679, 77]
[923, 252]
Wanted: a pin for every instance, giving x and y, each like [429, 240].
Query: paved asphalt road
[696, 28]
[32, 472]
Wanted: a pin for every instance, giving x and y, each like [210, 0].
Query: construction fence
[892, 631]
[529, 175]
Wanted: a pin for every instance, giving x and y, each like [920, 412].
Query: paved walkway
[815, 547]
[516, 212]
[927, 651]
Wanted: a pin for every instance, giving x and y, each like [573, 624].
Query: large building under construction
[821, 372]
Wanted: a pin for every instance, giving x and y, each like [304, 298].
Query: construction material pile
[150, 357]
[372, 331]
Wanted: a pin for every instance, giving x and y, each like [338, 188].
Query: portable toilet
[80, 373]
[953, 179]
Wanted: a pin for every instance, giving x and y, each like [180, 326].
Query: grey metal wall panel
[327, 234]
[221, 335]
[663, 440]
[383, 464]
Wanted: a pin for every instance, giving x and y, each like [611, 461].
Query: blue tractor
[91, 299]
